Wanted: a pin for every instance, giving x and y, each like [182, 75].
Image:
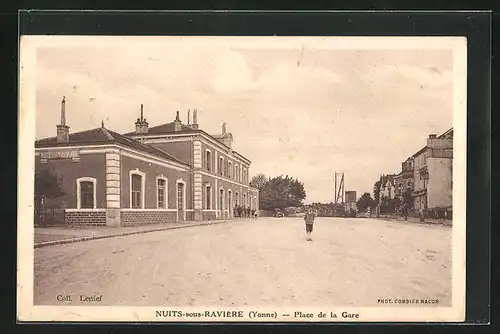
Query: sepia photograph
[240, 179]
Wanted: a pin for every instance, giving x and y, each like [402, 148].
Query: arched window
[161, 192]
[221, 163]
[86, 193]
[230, 169]
[208, 197]
[137, 182]
[208, 160]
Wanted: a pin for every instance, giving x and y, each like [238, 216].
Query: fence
[46, 216]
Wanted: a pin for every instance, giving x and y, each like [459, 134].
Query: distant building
[170, 172]
[387, 186]
[350, 200]
[433, 173]
[404, 179]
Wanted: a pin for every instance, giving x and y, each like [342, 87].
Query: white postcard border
[26, 311]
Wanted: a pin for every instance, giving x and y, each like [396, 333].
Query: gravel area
[264, 262]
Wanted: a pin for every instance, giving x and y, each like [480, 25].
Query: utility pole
[339, 189]
[335, 190]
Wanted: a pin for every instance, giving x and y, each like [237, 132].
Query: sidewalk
[49, 236]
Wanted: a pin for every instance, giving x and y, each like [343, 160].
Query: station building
[166, 173]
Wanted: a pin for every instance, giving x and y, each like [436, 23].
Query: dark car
[278, 214]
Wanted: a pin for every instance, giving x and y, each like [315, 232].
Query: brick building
[170, 172]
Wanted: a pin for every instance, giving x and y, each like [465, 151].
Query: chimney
[177, 123]
[432, 136]
[195, 119]
[63, 129]
[227, 138]
[189, 117]
[141, 125]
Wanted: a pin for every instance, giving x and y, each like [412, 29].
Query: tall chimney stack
[63, 129]
[189, 116]
[141, 125]
[195, 119]
[177, 122]
[63, 111]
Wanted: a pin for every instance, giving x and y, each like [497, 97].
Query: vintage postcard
[242, 179]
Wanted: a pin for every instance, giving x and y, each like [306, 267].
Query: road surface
[263, 262]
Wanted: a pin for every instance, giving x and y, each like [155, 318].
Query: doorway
[181, 210]
[221, 203]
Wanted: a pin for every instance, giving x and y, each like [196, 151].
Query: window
[229, 170]
[237, 173]
[161, 191]
[225, 168]
[208, 160]
[221, 162]
[136, 191]
[208, 198]
[180, 196]
[86, 193]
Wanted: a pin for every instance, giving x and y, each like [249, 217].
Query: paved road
[262, 262]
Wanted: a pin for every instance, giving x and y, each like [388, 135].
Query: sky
[293, 109]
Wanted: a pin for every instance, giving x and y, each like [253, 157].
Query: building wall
[89, 165]
[239, 193]
[439, 188]
[438, 143]
[217, 153]
[182, 150]
[152, 171]
[418, 182]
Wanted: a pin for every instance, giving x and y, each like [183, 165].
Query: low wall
[209, 215]
[148, 217]
[447, 222]
[87, 218]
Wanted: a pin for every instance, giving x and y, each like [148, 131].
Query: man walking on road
[309, 218]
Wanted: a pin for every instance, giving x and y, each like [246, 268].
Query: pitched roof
[165, 128]
[448, 133]
[104, 136]
[442, 136]
[169, 128]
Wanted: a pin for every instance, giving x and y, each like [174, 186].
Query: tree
[47, 185]
[408, 199]
[258, 181]
[281, 192]
[364, 202]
